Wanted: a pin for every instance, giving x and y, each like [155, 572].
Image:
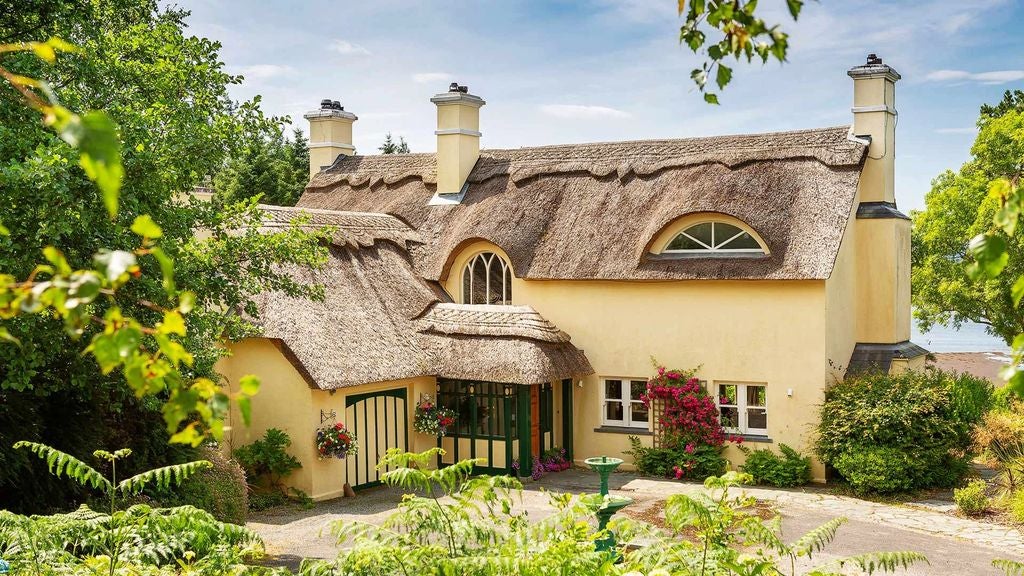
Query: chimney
[330, 134]
[874, 116]
[458, 137]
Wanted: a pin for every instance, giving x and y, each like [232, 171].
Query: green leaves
[145, 226]
[741, 34]
[95, 136]
[990, 256]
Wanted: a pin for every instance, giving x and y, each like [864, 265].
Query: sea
[969, 338]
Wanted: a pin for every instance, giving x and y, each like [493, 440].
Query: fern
[818, 538]
[1009, 567]
[163, 477]
[63, 464]
[882, 561]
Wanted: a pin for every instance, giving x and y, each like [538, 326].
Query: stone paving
[954, 546]
[923, 519]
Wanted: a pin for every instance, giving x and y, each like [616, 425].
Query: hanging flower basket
[432, 419]
[335, 441]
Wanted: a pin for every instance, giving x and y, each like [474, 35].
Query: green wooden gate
[380, 421]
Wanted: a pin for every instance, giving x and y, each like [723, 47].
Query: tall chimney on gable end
[881, 233]
[874, 115]
[458, 137]
[330, 134]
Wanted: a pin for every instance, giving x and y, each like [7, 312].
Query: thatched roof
[491, 320]
[349, 228]
[590, 211]
[379, 321]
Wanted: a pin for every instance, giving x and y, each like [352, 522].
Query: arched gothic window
[486, 279]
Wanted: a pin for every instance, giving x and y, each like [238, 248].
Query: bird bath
[607, 505]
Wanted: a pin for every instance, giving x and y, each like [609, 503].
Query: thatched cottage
[528, 289]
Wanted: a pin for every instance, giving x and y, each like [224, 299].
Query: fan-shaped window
[715, 237]
[486, 279]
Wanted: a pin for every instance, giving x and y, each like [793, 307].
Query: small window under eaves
[714, 237]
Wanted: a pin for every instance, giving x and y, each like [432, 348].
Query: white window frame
[486, 259]
[627, 401]
[741, 406]
[715, 245]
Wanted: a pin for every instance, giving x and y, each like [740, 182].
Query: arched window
[715, 237]
[486, 279]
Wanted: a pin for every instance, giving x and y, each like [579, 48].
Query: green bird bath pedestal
[609, 505]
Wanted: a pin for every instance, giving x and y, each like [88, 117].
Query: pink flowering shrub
[690, 416]
[693, 435]
[553, 460]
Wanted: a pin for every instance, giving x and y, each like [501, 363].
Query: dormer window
[486, 279]
[714, 237]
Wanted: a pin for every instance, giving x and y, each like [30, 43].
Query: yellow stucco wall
[771, 332]
[286, 402]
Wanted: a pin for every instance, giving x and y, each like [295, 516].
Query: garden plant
[890, 433]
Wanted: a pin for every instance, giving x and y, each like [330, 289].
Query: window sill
[623, 430]
[756, 438]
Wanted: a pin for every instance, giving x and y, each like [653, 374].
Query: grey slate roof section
[869, 357]
[866, 210]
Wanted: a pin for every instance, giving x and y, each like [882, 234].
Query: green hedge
[785, 470]
[892, 433]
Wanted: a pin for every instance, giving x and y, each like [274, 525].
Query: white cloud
[576, 111]
[431, 77]
[347, 48]
[993, 77]
[970, 130]
[264, 71]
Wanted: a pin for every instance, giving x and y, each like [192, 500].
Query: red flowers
[688, 415]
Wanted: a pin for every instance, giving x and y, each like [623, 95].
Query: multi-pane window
[743, 408]
[715, 237]
[481, 407]
[486, 279]
[622, 405]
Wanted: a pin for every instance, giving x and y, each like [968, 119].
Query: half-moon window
[486, 279]
[715, 237]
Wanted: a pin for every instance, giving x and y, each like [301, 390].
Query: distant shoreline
[980, 364]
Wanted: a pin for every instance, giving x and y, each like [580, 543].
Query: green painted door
[380, 421]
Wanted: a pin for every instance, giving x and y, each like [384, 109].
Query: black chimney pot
[337, 105]
[325, 104]
[874, 60]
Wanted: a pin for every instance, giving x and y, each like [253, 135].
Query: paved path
[954, 546]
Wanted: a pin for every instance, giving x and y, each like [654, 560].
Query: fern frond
[1009, 567]
[882, 561]
[163, 477]
[817, 539]
[60, 463]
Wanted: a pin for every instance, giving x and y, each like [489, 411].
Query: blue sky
[561, 71]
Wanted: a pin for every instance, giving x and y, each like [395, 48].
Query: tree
[166, 96]
[391, 147]
[958, 208]
[742, 36]
[992, 255]
[267, 167]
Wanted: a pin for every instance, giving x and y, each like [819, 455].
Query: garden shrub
[971, 499]
[887, 433]
[999, 438]
[693, 438]
[697, 463]
[1016, 506]
[786, 470]
[266, 463]
[221, 491]
[879, 469]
